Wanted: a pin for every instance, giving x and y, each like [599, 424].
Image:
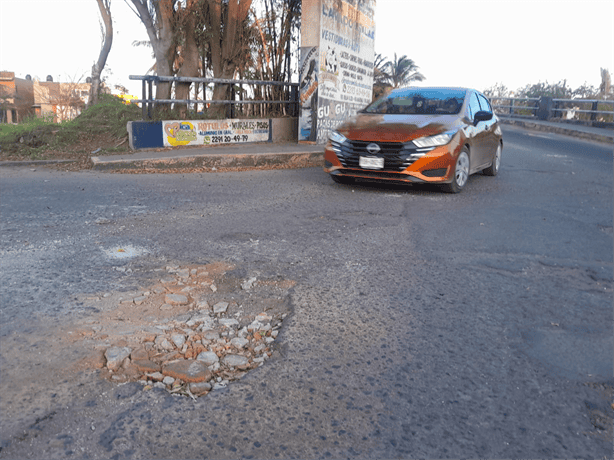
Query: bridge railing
[516, 106]
[149, 102]
[592, 111]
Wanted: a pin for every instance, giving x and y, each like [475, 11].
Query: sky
[465, 43]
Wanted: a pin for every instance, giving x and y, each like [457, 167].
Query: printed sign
[308, 121]
[342, 81]
[212, 132]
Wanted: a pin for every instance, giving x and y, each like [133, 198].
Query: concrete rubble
[198, 351]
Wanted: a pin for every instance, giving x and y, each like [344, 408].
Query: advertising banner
[340, 81]
[213, 132]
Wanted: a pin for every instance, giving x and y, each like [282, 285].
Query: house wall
[17, 98]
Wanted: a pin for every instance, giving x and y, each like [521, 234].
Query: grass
[110, 115]
[100, 126]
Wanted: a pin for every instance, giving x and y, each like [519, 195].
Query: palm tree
[381, 77]
[403, 71]
[380, 70]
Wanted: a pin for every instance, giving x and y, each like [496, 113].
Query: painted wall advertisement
[212, 132]
[336, 66]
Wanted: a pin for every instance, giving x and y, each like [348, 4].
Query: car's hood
[397, 128]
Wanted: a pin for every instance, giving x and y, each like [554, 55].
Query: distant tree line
[559, 90]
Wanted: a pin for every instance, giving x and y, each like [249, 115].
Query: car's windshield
[412, 101]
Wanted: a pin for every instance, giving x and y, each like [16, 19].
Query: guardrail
[572, 106]
[516, 105]
[149, 102]
[593, 111]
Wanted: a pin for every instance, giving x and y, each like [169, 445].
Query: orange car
[418, 135]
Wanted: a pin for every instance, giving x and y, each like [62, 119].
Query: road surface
[421, 324]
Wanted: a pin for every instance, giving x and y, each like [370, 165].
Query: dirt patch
[189, 169]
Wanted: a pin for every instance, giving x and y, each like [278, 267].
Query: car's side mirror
[482, 115]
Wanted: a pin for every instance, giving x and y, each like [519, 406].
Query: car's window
[409, 101]
[474, 105]
[484, 103]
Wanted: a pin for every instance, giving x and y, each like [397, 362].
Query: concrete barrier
[145, 135]
[150, 134]
[579, 131]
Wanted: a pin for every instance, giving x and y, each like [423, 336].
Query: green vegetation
[102, 126]
[109, 115]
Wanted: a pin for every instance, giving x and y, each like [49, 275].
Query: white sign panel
[342, 81]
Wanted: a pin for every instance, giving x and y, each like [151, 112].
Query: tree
[381, 77]
[498, 90]
[282, 18]
[67, 99]
[393, 74]
[158, 16]
[105, 12]
[606, 82]
[188, 58]
[585, 91]
[380, 70]
[558, 90]
[225, 23]
[403, 71]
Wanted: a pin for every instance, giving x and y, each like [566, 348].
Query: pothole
[197, 329]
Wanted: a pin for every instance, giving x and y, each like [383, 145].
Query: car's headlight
[434, 141]
[337, 137]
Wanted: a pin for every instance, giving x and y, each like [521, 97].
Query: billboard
[336, 65]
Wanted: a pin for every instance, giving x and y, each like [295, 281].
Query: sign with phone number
[214, 132]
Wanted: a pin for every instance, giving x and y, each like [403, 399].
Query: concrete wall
[336, 64]
[284, 129]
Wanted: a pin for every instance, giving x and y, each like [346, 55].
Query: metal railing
[149, 102]
[517, 104]
[547, 108]
[559, 105]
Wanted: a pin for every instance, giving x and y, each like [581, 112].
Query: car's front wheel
[461, 173]
[493, 169]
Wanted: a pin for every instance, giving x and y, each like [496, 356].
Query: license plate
[371, 162]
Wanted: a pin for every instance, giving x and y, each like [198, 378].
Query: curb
[215, 161]
[608, 139]
[34, 162]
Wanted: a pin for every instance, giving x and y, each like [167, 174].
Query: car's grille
[397, 156]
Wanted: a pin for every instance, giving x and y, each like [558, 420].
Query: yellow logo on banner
[180, 133]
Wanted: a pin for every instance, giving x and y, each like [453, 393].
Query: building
[23, 98]
[16, 98]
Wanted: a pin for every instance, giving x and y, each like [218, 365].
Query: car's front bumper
[435, 167]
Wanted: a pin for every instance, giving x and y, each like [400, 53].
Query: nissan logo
[373, 148]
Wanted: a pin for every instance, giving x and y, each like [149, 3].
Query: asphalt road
[423, 324]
